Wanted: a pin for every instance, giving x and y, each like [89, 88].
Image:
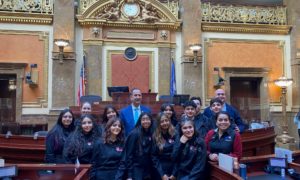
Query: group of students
[157, 148]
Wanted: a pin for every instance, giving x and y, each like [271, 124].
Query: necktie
[136, 115]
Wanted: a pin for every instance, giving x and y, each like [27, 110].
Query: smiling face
[223, 122]
[164, 122]
[111, 113]
[168, 111]
[86, 108]
[87, 125]
[190, 111]
[220, 93]
[67, 119]
[188, 129]
[115, 128]
[146, 121]
[216, 107]
[136, 97]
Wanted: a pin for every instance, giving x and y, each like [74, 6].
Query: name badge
[193, 148]
[119, 149]
[171, 141]
[89, 143]
[228, 138]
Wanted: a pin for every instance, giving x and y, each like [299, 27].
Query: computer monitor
[180, 99]
[117, 89]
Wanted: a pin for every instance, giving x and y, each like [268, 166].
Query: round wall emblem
[130, 54]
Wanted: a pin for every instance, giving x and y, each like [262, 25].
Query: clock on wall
[131, 9]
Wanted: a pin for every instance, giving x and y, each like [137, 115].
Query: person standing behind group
[203, 123]
[107, 154]
[136, 158]
[237, 121]
[86, 108]
[80, 144]
[168, 109]
[223, 139]
[189, 153]
[163, 142]
[110, 112]
[57, 136]
[130, 114]
[215, 106]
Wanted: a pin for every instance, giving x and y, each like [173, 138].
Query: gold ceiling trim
[246, 28]
[18, 17]
[99, 14]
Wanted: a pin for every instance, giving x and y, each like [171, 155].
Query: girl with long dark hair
[80, 143]
[57, 136]
[168, 109]
[107, 154]
[164, 140]
[189, 152]
[136, 159]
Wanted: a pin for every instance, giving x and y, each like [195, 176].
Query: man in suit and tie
[130, 114]
[234, 114]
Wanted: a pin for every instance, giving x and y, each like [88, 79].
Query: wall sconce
[195, 48]
[283, 82]
[61, 43]
[12, 84]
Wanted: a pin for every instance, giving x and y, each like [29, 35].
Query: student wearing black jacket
[163, 142]
[168, 109]
[80, 143]
[136, 158]
[57, 136]
[107, 153]
[189, 153]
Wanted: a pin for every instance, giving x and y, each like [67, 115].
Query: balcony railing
[244, 14]
[28, 6]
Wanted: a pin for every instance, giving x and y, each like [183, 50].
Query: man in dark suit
[234, 114]
[130, 114]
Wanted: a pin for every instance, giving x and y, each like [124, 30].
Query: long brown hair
[107, 133]
[160, 141]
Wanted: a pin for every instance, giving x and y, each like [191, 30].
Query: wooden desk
[22, 149]
[60, 171]
[217, 173]
[258, 142]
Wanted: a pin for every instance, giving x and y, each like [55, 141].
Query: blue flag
[172, 79]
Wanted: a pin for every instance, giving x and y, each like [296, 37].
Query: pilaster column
[63, 74]
[191, 34]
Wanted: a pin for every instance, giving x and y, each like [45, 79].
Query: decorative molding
[244, 14]
[246, 28]
[130, 35]
[153, 14]
[26, 11]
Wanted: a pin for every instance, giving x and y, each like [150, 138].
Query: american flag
[82, 81]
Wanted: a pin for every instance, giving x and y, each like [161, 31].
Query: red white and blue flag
[82, 81]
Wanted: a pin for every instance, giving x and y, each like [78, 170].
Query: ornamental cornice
[246, 28]
[21, 17]
[150, 14]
